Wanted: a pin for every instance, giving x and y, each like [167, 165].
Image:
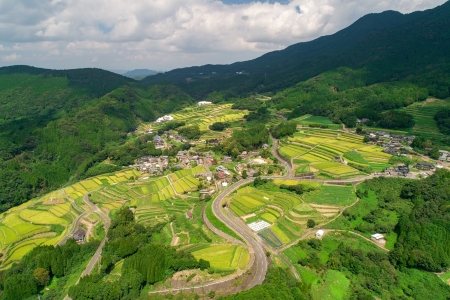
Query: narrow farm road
[107, 223]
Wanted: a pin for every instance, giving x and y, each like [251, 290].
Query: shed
[79, 235]
[189, 215]
[320, 233]
[377, 236]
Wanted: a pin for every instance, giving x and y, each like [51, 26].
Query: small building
[201, 103]
[377, 236]
[207, 192]
[213, 142]
[424, 166]
[320, 233]
[79, 235]
[189, 215]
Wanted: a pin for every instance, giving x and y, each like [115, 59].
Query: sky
[167, 34]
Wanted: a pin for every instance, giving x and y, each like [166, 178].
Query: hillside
[390, 45]
[53, 123]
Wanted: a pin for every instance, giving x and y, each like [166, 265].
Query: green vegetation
[343, 266]
[251, 104]
[42, 265]
[144, 262]
[411, 210]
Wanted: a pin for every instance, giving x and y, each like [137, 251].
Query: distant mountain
[140, 73]
[390, 44]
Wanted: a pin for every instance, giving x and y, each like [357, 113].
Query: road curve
[260, 254]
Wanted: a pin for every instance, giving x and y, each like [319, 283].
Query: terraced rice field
[287, 212]
[206, 115]
[223, 257]
[26, 226]
[423, 113]
[321, 150]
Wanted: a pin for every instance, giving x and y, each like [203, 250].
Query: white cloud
[164, 34]
[12, 57]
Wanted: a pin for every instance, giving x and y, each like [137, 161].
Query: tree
[244, 174]
[311, 223]
[42, 276]
[359, 129]
[212, 294]
[366, 139]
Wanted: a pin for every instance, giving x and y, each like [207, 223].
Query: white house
[320, 233]
[201, 103]
[377, 236]
[164, 118]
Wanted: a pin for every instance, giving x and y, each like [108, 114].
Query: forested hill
[391, 45]
[55, 125]
[94, 82]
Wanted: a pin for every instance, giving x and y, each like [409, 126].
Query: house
[164, 118]
[221, 168]
[189, 215]
[213, 142]
[201, 103]
[320, 233]
[377, 236]
[227, 159]
[424, 166]
[207, 192]
[79, 235]
[221, 175]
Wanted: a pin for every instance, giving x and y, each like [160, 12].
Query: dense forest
[39, 267]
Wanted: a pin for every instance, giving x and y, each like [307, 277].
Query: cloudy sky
[167, 34]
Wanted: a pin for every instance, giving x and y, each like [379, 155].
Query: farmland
[332, 154]
[48, 219]
[222, 257]
[287, 212]
[423, 113]
[203, 116]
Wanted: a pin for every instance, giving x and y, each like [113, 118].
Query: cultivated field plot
[223, 257]
[423, 113]
[309, 119]
[323, 151]
[287, 212]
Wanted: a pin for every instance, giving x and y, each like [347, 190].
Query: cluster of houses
[188, 158]
[392, 143]
[152, 165]
[164, 119]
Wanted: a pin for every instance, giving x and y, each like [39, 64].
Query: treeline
[283, 129]
[442, 119]
[171, 126]
[278, 284]
[247, 139]
[248, 104]
[144, 262]
[38, 268]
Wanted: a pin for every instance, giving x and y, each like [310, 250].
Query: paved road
[239, 228]
[280, 158]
